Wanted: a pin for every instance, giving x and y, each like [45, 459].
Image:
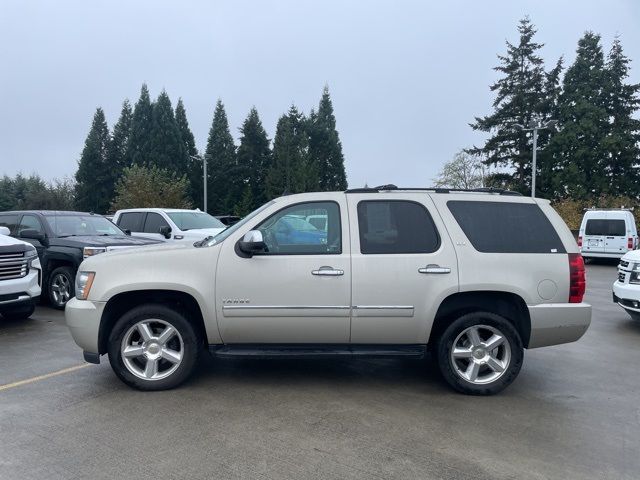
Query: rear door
[403, 265]
[595, 232]
[132, 221]
[616, 239]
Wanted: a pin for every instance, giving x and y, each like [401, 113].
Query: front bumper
[627, 296]
[557, 323]
[20, 291]
[83, 319]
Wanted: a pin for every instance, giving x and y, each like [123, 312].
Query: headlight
[84, 281]
[91, 251]
[634, 278]
[636, 267]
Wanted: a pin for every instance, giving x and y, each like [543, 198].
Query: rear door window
[606, 227]
[132, 221]
[504, 227]
[396, 227]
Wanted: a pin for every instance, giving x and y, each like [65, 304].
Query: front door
[299, 291]
[403, 266]
[31, 222]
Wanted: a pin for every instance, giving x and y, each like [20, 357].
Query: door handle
[433, 268]
[328, 272]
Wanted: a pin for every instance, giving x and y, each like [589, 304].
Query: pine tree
[117, 158]
[547, 185]
[92, 188]
[140, 151]
[519, 100]
[221, 167]
[578, 146]
[325, 149]
[291, 170]
[254, 160]
[622, 143]
[194, 165]
[166, 145]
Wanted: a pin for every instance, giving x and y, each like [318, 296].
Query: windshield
[194, 220]
[233, 228]
[78, 225]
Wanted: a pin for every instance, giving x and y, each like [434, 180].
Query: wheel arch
[121, 303]
[506, 304]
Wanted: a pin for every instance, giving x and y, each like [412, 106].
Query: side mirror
[252, 243]
[166, 231]
[5, 231]
[32, 235]
[127, 232]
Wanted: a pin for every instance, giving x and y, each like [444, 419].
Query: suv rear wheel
[153, 347]
[480, 353]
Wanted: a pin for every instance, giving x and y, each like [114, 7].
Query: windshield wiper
[70, 235]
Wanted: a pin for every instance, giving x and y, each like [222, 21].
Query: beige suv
[472, 276]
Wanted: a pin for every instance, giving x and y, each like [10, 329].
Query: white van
[607, 233]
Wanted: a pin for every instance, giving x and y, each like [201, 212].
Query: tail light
[630, 244]
[579, 241]
[577, 280]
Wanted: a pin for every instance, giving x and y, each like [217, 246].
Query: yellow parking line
[19, 383]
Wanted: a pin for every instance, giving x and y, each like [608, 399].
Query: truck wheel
[61, 287]
[21, 313]
[153, 347]
[480, 353]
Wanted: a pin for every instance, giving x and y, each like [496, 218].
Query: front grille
[13, 265]
[621, 277]
[624, 264]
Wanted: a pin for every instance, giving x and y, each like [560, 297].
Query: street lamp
[203, 158]
[534, 127]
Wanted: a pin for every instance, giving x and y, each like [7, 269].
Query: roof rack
[597, 209]
[388, 187]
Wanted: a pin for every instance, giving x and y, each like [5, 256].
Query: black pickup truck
[63, 240]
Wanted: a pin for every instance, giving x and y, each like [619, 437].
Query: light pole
[534, 127]
[203, 158]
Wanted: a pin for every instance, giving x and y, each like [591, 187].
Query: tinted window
[396, 227]
[288, 231]
[9, 221]
[131, 221]
[502, 227]
[154, 222]
[29, 222]
[612, 228]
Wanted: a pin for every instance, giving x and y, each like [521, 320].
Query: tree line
[594, 150]
[156, 139]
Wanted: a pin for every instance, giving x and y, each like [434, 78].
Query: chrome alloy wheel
[60, 289]
[480, 354]
[152, 349]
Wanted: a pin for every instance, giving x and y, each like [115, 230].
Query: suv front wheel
[480, 353]
[153, 347]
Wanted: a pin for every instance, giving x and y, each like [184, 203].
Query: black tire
[21, 313]
[192, 346]
[445, 345]
[56, 300]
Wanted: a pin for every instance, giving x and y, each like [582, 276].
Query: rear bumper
[557, 323]
[588, 254]
[83, 319]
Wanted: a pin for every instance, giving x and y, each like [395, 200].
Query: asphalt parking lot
[574, 412]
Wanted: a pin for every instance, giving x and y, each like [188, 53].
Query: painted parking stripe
[27, 381]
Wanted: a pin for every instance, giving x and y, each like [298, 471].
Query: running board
[316, 351]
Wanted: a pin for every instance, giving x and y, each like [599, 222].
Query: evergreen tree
[325, 149]
[622, 144]
[140, 151]
[117, 151]
[166, 147]
[193, 165]
[578, 146]
[221, 167]
[254, 159]
[519, 99]
[93, 175]
[291, 170]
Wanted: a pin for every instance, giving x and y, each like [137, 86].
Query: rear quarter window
[504, 227]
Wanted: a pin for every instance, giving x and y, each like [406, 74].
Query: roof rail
[596, 209]
[386, 188]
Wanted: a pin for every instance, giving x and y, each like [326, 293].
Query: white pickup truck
[475, 277]
[20, 277]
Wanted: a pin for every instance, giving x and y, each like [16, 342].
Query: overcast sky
[406, 78]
